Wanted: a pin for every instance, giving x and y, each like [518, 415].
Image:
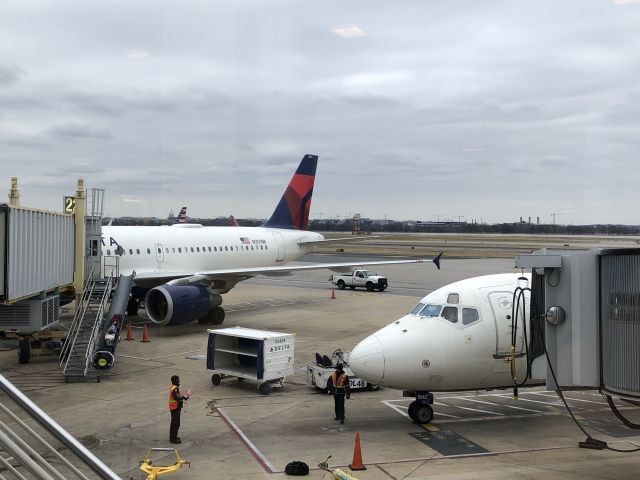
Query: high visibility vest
[173, 403]
[338, 381]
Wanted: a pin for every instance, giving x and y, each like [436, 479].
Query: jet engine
[177, 304]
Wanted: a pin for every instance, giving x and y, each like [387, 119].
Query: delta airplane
[182, 270]
[459, 337]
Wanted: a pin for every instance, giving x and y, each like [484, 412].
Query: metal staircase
[89, 322]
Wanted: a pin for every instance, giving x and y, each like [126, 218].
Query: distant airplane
[457, 338]
[182, 272]
[182, 216]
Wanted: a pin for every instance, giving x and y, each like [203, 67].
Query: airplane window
[173, 249]
[450, 313]
[226, 249]
[131, 251]
[251, 247]
[417, 308]
[179, 250]
[453, 298]
[209, 248]
[166, 250]
[108, 252]
[149, 251]
[431, 311]
[138, 251]
[197, 249]
[469, 315]
[192, 249]
[266, 248]
[260, 247]
[159, 250]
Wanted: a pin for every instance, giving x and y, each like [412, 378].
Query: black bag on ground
[296, 468]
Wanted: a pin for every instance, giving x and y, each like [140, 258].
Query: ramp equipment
[87, 345]
[153, 472]
[25, 453]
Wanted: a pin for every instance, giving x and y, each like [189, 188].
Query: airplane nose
[366, 360]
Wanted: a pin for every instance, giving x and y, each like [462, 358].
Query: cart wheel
[265, 388]
[216, 379]
[24, 352]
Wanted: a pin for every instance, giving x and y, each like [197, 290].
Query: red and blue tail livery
[293, 210]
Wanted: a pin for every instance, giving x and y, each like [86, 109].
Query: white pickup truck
[360, 278]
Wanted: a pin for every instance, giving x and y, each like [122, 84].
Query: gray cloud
[482, 109]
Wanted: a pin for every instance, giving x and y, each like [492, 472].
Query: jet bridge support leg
[420, 410]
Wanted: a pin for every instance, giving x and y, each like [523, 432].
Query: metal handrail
[85, 305]
[77, 321]
[98, 322]
[56, 430]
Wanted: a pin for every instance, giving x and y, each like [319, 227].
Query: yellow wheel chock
[154, 472]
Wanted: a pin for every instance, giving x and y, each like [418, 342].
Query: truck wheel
[369, 287]
[24, 352]
[341, 284]
[216, 379]
[264, 388]
[352, 287]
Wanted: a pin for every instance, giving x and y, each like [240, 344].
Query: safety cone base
[357, 467]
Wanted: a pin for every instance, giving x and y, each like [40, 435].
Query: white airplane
[459, 337]
[183, 269]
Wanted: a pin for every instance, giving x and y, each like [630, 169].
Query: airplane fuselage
[193, 248]
[427, 350]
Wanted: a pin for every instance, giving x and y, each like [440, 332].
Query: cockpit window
[417, 309]
[469, 315]
[450, 313]
[430, 311]
[453, 298]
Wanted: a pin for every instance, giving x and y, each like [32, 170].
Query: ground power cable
[590, 442]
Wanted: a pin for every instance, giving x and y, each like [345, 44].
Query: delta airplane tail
[293, 210]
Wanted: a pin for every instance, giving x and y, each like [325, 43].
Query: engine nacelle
[177, 304]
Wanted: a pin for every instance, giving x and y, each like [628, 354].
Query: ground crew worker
[175, 406]
[340, 389]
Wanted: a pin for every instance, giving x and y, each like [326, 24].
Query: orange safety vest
[338, 382]
[173, 403]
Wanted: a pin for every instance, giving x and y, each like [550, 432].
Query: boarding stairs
[89, 321]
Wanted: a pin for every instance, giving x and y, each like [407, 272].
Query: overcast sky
[417, 109]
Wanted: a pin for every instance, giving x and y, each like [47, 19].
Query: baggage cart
[244, 353]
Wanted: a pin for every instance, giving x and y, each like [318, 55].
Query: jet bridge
[591, 318]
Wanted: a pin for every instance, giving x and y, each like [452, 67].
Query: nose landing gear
[420, 410]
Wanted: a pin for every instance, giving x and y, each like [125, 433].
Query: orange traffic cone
[357, 464]
[145, 335]
[333, 294]
[129, 332]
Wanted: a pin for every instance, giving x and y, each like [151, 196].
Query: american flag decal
[244, 240]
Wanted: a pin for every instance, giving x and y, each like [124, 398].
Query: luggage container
[244, 353]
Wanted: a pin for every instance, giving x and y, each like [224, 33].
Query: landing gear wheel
[216, 379]
[24, 352]
[341, 285]
[265, 388]
[369, 287]
[132, 307]
[411, 411]
[422, 413]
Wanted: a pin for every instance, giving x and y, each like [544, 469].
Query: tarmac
[231, 431]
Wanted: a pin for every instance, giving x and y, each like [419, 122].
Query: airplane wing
[337, 240]
[234, 275]
[289, 269]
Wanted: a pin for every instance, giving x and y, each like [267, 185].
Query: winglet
[293, 210]
[437, 260]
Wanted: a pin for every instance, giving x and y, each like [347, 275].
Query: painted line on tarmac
[468, 399]
[568, 398]
[471, 409]
[385, 472]
[253, 450]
